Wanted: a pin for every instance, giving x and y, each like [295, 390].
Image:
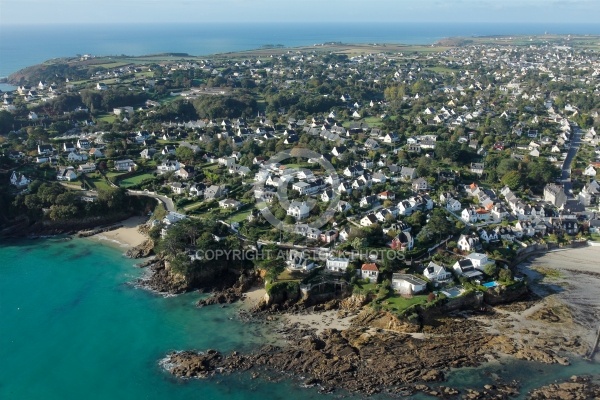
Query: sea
[73, 325]
[25, 45]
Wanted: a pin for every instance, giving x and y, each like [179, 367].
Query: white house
[466, 269]
[77, 157]
[124, 165]
[453, 205]
[369, 272]
[407, 284]
[297, 262]
[589, 171]
[334, 264]
[168, 166]
[301, 187]
[19, 180]
[86, 168]
[479, 260]
[298, 210]
[436, 273]
[83, 144]
[368, 220]
[468, 243]
[178, 187]
[229, 204]
[66, 174]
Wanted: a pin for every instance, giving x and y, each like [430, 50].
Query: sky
[22, 12]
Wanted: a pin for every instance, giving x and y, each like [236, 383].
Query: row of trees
[63, 204]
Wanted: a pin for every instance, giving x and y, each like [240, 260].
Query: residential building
[334, 264]
[436, 273]
[408, 284]
[369, 272]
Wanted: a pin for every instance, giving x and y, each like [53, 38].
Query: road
[566, 168]
[167, 202]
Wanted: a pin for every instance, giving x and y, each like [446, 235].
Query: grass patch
[547, 272]
[110, 118]
[100, 183]
[135, 180]
[398, 303]
[239, 216]
[441, 70]
[290, 276]
[194, 205]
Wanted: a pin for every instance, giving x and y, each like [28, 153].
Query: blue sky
[203, 11]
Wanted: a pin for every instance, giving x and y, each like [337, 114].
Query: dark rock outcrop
[141, 251]
[366, 361]
[232, 294]
[575, 388]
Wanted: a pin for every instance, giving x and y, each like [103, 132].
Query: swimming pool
[490, 284]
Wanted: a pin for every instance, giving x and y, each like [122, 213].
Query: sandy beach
[252, 297]
[319, 321]
[567, 283]
[126, 236]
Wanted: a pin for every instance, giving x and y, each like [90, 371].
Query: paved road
[167, 202]
[566, 168]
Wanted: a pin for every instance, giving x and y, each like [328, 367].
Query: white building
[436, 273]
[407, 284]
[337, 264]
[298, 210]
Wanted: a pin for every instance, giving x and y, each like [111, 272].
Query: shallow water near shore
[73, 326]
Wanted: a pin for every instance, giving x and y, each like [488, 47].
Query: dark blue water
[21, 46]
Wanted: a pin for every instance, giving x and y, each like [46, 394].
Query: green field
[99, 183]
[135, 180]
[239, 216]
[441, 70]
[110, 118]
[399, 303]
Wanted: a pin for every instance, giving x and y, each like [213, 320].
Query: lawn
[135, 180]
[290, 276]
[239, 216]
[194, 205]
[373, 121]
[100, 183]
[441, 70]
[110, 118]
[399, 303]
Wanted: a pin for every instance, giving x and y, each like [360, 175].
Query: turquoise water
[71, 327]
[490, 284]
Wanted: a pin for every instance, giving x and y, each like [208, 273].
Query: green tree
[491, 269]
[512, 179]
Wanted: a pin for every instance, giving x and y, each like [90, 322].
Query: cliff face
[504, 294]
[385, 320]
[164, 279]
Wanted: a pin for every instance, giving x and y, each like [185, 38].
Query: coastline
[125, 237]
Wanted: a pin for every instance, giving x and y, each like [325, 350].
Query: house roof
[369, 267]
[413, 280]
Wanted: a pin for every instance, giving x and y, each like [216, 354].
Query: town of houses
[472, 138]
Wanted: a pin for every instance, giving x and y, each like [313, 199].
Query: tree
[491, 269]
[359, 243]
[512, 179]
[6, 122]
[185, 154]
[505, 275]
[440, 224]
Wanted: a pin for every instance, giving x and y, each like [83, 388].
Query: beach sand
[568, 284]
[319, 321]
[125, 237]
[253, 297]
